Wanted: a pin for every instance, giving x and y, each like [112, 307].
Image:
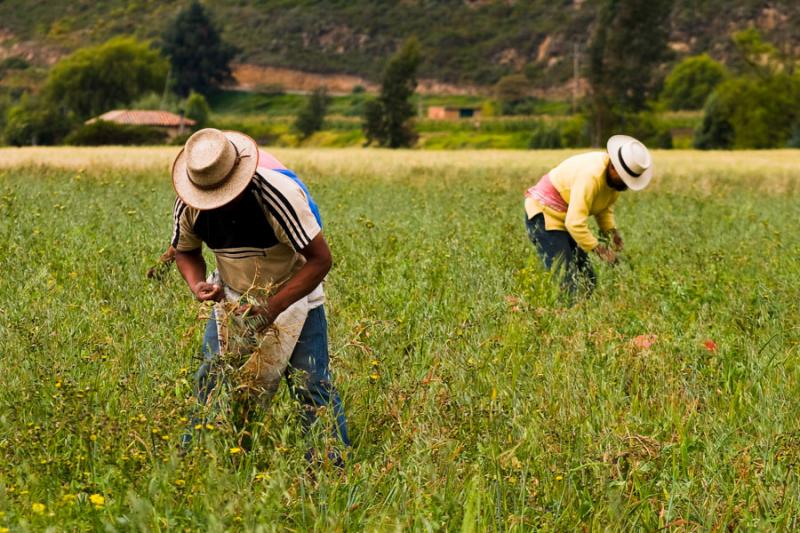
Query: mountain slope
[464, 42]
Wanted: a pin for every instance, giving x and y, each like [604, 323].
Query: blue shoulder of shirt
[311, 203]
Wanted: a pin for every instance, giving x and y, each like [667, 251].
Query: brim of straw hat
[634, 183]
[205, 199]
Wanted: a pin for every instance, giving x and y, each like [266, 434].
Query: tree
[387, 121]
[691, 81]
[311, 117]
[628, 45]
[511, 91]
[96, 79]
[200, 59]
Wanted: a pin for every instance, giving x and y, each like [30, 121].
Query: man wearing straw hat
[264, 232]
[558, 207]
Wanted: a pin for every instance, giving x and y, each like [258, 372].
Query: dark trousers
[559, 251]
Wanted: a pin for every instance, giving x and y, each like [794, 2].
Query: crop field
[670, 399]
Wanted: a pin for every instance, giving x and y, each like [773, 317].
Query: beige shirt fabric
[257, 238]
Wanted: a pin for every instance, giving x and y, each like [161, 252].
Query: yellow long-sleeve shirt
[581, 182]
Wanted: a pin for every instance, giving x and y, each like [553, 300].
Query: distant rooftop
[163, 119]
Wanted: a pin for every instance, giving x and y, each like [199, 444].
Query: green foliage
[463, 42]
[575, 132]
[265, 132]
[13, 63]
[200, 58]
[545, 136]
[103, 133]
[754, 55]
[512, 91]
[629, 43]
[34, 121]
[691, 81]
[97, 79]
[197, 109]
[751, 112]
[758, 108]
[716, 130]
[310, 119]
[387, 120]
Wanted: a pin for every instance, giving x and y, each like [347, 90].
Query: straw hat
[632, 161]
[214, 167]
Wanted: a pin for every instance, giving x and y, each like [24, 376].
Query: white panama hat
[214, 167]
[632, 161]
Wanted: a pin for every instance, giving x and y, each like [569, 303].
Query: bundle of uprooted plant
[253, 355]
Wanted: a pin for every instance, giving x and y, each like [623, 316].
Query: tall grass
[475, 400]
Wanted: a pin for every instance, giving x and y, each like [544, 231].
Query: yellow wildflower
[180, 483]
[97, 500]
[374, 376]
[235, 450]
[38, 508]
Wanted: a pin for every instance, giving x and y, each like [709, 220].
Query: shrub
[101, 132]
[197, 109]
[751, 112]
[691, 81]
[35, 121]
[311, 117]
[545, 136]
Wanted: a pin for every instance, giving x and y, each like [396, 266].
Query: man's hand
[606, 254]
[207, 291]
[616, 240]
[261, 317]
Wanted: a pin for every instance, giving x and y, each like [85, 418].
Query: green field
[476, 402]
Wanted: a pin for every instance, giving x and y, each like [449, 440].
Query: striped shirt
[256, 238]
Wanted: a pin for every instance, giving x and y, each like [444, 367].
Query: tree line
[751, 102]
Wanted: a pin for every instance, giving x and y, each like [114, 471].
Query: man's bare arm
[318, 264]
[192, 267]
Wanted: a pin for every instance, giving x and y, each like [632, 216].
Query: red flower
[710, 345]
[644, 342]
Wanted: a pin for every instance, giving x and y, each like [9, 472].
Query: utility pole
[166, 87]
[576, 68]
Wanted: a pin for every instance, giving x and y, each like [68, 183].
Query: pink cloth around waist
[547, 195]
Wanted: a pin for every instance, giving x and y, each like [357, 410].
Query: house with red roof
[170, 123]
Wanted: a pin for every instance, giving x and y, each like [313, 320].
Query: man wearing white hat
[261, 227]
[558, 207]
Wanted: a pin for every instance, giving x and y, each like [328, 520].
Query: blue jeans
[558, 250]
[307, 375]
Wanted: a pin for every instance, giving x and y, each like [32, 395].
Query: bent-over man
[265, 232]
[558, 207]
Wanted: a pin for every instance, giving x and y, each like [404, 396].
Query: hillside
[466, 43]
